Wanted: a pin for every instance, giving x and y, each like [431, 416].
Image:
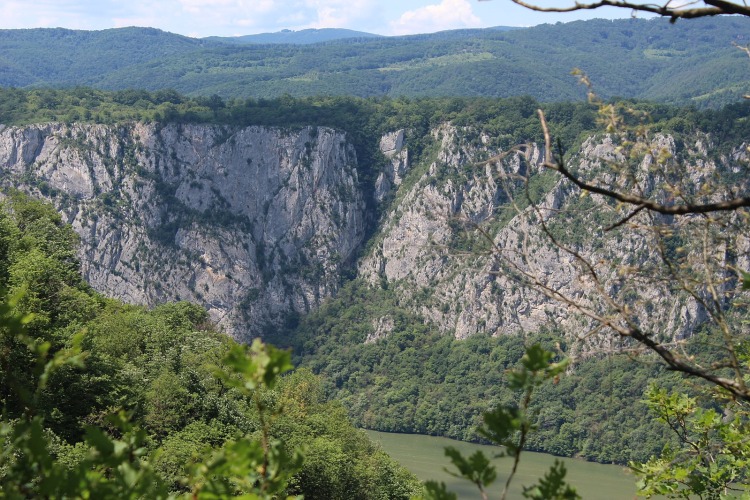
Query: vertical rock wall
[250, 222]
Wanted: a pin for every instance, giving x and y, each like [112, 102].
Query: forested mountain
[301, 37]
[444, 229]
[647, 59]
[264, 210]
[62, 57]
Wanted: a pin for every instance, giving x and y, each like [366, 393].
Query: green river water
[424, 456]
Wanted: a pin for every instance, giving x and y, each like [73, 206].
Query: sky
[201, 18]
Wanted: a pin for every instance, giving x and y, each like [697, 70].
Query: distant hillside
[62, 57]
[300, 37]
[683, 63]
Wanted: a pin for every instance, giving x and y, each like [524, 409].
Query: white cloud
[449, 14]
[277, 14]
[44, 13]
[233, 17]
[219, 17]
[221, 7]
[261, 15]
[340, 13]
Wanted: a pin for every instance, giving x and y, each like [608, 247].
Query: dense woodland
[418, 381]
[637, 58]
[157, 366]
[508, 121]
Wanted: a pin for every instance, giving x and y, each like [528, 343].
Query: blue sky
[199, 18]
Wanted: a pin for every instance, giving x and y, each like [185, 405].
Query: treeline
[508, 121]
[84, 104]
[414, 380]
[150, 370]
[511, 119]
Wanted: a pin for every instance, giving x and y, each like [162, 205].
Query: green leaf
[259, 365]
[476, 468]
[438, 491]
[745, 280]
[500, 425]
[552, 486]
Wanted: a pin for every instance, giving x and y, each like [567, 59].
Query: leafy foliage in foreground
[510, 426]
[115, 401]
[414, 380]
[433, 384]
[713, 456]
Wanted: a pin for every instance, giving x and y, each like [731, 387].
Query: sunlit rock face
[252, 222]
[256, 223]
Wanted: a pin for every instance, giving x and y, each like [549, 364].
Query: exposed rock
[254, 223]
[381, 326]
[392, 147]
[465, 291]
[250, 222]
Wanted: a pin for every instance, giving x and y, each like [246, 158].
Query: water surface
[424, 456]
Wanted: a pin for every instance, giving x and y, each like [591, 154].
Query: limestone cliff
[426, 252]
[250, 222]
[255, 223]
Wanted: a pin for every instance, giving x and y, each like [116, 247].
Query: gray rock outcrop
[427, 253]
[255, 223]
[393, 148]
[252, 222]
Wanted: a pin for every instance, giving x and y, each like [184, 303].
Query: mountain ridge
[283, 212]
[294, 37]
[628, 58]
[262, 225]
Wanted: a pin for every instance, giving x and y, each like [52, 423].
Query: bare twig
[619, 318]
[626, 219]
[630, 199]
[673, 12]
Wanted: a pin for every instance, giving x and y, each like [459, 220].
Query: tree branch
[640, 202]
[712, 8]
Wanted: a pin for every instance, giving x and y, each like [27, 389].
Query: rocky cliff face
[419, 251]
[250, 222]
[392, 146]
[429, 252]
[256, 222]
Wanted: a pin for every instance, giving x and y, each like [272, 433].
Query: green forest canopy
[635, 58]
[158, 366]
[432, 369]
